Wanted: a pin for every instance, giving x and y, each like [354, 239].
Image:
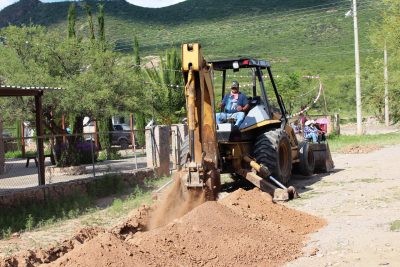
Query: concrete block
[158, 149]
[178, 134]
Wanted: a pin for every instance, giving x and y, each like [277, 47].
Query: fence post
[337, 124]
[22, 139]
[39, 139]
[158, 148]
[93, 153]
[2, 153]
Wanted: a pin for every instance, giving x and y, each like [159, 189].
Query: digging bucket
[322, 157]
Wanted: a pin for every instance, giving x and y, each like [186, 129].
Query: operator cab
[249, 73]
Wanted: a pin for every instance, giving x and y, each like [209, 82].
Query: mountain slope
[306, 36]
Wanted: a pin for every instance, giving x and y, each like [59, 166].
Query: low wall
[61, 190]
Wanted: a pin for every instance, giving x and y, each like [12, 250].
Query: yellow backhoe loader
[264, 148]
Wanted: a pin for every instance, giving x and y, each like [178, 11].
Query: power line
[282, 21]
[264, 15]
[175, 42]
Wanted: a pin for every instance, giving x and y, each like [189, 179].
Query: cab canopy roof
[239, 63]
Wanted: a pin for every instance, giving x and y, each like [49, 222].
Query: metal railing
[66, 158]
[69, 157]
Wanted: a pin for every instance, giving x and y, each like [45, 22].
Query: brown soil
[175, 203]
[360, 200]
[359, 149]
[244, 229]
[34, 258]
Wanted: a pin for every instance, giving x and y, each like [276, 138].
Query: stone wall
[61, 190]
[2, 159]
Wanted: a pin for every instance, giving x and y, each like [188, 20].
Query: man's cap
[235, 84]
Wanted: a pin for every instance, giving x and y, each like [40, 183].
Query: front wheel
[124, 144]
[306, 165]
[272, 149]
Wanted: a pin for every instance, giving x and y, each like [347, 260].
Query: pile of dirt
[106, 249]
[257, 205]
[35, 258]
[138, 221]
[359, 149]
[245, 228]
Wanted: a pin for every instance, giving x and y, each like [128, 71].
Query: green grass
[114, 155]
[395, 226]
[18, 154]
[36, 215]
[338, 142]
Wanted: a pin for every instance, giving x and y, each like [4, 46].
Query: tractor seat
[253, 101]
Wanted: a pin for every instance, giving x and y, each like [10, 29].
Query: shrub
[74, 155]
[114, 154]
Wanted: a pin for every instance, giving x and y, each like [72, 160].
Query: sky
[143, 3]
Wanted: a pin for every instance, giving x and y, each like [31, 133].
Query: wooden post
[96, 135]
[39, 138]
[131, 124]
[2, 152]
[337, 124]
[23, 139]
[63, 127]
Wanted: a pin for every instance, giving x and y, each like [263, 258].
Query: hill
[306, 36]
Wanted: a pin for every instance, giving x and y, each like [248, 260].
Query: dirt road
[359, 202]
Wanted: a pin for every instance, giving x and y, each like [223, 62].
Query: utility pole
[386, 78]
[358, 74]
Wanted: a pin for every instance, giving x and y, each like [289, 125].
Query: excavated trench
[244, 228]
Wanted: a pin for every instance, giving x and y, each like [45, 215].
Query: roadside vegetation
[31, 216]
[395, 226]
[338, 142]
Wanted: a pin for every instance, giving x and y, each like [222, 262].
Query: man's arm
[223, 104]
[243, 109]
[244, 104]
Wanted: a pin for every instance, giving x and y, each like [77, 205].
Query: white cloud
[154, 3]
[143, 3]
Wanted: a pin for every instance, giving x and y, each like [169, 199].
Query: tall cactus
[71, 21]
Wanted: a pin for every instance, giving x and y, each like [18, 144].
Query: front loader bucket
[322, 157]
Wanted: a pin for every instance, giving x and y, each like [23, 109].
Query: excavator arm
[201, 167]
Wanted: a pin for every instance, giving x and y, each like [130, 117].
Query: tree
[136, 52]
[100, 19]
[96, 82]
[88, 10]
[385, 30]
[140, 121]
[71, 21]
[166, 82]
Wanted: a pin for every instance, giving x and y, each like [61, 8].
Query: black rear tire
[306, 165]
[124, 144]
[272, 149]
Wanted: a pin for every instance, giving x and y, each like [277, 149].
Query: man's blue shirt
[231, 103]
